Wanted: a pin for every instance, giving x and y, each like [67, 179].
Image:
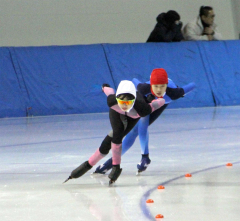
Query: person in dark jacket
[167, 29]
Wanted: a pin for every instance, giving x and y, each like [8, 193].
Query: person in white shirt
[203, 27]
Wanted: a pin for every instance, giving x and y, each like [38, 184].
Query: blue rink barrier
[63, 79]
[12, 99]
[54, 80]
[221, 60]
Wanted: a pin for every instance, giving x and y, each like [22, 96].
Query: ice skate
[79, 171]
[115, 173]
[103, 168]
[142, 166]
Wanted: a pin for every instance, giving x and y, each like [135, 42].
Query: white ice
[37, 154]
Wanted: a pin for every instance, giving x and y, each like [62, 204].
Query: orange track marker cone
[149, 201]
[159, 216]
[188, 175]
[161, 187]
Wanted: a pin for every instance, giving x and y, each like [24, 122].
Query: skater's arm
[175, 93]
[144, 108]
[107, 89]
[189, 87]
[110, 93]
[111, 100]
[144, 88]
[155, 104]
[136, 82]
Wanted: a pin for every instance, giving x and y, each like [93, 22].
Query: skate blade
[138, 172]
[100, 179]
[111, 182]
[69, 178]
[94, 173]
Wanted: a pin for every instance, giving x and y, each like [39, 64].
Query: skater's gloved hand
[157, 103]
[150, 98]
[105, 85]
[189, 87]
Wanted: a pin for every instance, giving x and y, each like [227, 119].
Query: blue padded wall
[182, 61]
[221, 61]
[12, 103]
[67, 79]
[64, 79]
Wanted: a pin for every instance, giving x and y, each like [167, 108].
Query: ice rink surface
[38, 153]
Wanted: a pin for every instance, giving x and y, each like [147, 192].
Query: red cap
[158, 76]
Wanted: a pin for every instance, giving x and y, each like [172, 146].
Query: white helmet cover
[126, 86]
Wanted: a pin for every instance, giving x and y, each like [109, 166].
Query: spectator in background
[167, 29]
[203, 27]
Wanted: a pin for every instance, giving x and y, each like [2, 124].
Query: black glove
[105, 85]
[150, 98]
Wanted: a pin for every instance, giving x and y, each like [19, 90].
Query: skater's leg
[116, 153]
[98, 155]
[143, 134]
[106, 144]
[129, 139]
[144, 139]
[126, 145]
[115, 173]
[116, 161]
[86, 166]
[79, 171]
[101, 152]
[119, 132]
[117, 124]
[104, 149]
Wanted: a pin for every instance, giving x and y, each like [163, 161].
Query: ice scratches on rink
[37, 154]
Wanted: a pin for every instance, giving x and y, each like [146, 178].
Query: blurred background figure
[167, 29]
[203, 27]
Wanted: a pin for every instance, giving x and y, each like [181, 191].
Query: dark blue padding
[11, 99]
[182, 61]
[221, 60]
[64, 79]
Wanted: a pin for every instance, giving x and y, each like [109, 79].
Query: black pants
[121, 126]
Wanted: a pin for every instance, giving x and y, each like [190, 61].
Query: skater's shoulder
[144, 88]
[111, 100]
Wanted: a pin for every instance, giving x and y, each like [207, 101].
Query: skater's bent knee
[104, 151]
[105, 145]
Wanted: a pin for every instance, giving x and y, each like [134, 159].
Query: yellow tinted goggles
[125, 102]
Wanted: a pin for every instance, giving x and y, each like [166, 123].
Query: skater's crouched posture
[158, 86]
[126, 108]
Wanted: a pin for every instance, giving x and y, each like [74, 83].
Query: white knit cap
[126, 86]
